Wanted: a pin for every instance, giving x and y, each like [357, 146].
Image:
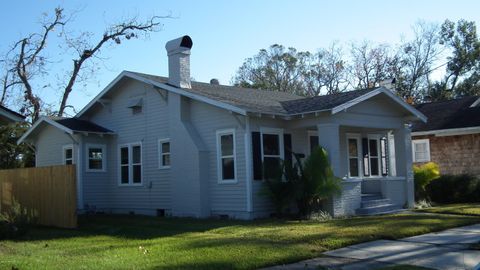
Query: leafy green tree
[463, 66]
[11, 154]
[277, 69]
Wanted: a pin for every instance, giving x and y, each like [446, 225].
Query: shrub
[423, 175]
[307, 183]
[463, 188]
[16, 221]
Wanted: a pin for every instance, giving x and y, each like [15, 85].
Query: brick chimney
[178, 51]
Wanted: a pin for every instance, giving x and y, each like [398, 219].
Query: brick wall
[455, 154]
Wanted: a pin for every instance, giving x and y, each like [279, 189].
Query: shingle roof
[449, 114]
[264, 101]
[12, 112]
[320, 103]
[76, 124]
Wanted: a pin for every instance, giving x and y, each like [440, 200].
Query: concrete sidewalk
[450, 249]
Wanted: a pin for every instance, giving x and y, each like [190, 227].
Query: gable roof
[11, 115]
[68, 125]
[246, 100]
[449, 114]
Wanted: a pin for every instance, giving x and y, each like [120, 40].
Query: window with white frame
[353, 147]
[226, 156]
[130, 164]
[164, 153]
[68, 154]
[96, 157]
[272, 150]
[421, 150]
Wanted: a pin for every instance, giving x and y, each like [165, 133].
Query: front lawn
[127, 242]
[456, 209]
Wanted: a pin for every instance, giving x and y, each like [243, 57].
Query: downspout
[78, 164]
[248, 163]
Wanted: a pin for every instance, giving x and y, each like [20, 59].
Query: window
[96, 160]
[312, 140]
[226, 156]
[421, 150]
[164, 153]
[68, 154]
[272, 150]
[131, 164]
[353, 143]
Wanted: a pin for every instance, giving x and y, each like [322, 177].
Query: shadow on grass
[281, 231]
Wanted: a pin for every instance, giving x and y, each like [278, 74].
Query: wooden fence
[49, 191]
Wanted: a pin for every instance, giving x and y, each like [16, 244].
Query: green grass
[472, 209]
[113, 242]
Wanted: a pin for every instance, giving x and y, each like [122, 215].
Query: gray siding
[146, 127]
[49, 146]
[225, 198]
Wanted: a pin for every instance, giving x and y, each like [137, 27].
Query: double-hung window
[68, 154]
[96, 157]
[353, 144]
[272, 150]
[164, 153]
[131, 164]
[226, 156]
[421, 150]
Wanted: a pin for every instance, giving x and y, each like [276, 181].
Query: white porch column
[329, 138]
[403, 151]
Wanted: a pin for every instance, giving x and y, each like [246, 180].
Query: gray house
[166, 145]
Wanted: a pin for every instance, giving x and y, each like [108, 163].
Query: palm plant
[307, 183]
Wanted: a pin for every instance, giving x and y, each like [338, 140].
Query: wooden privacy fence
[49, 191]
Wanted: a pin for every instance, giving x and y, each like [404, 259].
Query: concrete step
[373, 203]
[379, 209]
[371, 196]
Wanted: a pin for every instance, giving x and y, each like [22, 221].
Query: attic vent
[214, 81]
[136, 105]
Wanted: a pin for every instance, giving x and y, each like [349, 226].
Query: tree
[11, 154]
[277, 69]
[326, 72]
[370, 64]
[416, 59]
[463, 66]
[27, 60]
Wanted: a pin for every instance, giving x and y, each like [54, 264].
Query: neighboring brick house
[451, 137]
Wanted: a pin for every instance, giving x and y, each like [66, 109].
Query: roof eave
[355, 101]
[38, 122]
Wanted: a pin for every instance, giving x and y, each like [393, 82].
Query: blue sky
[224, 33]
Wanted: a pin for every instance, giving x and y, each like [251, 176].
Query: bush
[16, 221]
[463, 188]
[307, 183]
[423, 175]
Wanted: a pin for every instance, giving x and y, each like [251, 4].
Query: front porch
[374, 162]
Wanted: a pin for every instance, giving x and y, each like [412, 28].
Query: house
[451, 138]
[8, 116]
[170, 146]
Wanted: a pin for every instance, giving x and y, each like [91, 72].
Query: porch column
[329, 138]
[403, 151]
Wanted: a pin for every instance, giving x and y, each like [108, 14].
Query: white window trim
[160, 153]
[420, 141]
[273, 131]
[376, 137]
[130, 164]
[219, 133]
[310, 133]
[358, 138]
[64, 157]
[104, 157]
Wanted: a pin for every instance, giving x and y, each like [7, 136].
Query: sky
[224, 33]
